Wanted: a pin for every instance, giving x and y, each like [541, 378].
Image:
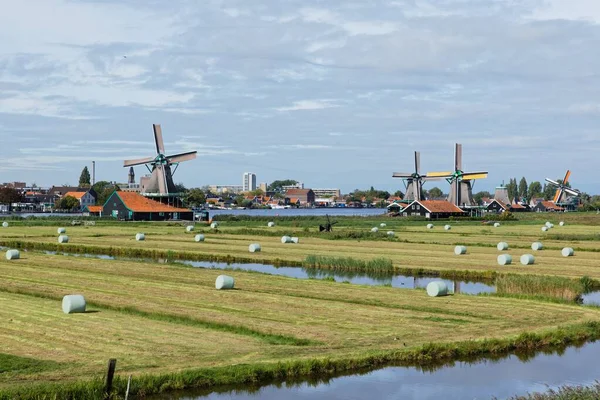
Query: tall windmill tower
[414, 181]
[461, 188]
[564, 195]
[162, 168]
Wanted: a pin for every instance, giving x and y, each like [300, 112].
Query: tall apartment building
[249, 181]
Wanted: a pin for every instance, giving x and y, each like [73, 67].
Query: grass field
[168, 321]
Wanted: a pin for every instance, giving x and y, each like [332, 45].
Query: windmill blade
[139, 161]
[458, 157]
[161, 178]
[567, 175]
[572, 192]
[402, 175]
[175, 158]
[557, 195]
[439, 174]
[430, 178]
[474, 175]
[553, 182]
[417, 162]
[158, 139]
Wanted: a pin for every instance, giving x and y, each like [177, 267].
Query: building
[432, 209]
[222, 189]
[93, 211]
[517, 207]
[85, 198]
[14, 185]
[299, 185]
[301, 196]
[495, 206]
[547, 206]
[132, 206]
[263, 186]
[501, 194]
[328, 193]
[249, 182]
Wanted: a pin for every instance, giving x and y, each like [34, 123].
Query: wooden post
[128, 384]
[112, 364]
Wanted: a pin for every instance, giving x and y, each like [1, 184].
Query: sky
[331, 93]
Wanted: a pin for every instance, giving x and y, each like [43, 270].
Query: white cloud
[304, 105]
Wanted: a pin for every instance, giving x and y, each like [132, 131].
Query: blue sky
[335, 94]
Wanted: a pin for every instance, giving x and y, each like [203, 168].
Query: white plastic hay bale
[73, 303]
[295, 240]
[60, 231]
[383, 225]
[567, 252]
[458, 250]
[199, 238]
[447, 227]
[271, 224]
[286, 239]
[548, 224]
[140, 236]
[375, 229]
[5, 224]
[504, 259]
[561, 223]
[537, 246]
[429, 226]
[189, 228]
[13, 254]
[527, 259]
[224, 282]
[502, 246]
[437, 288]
[496, 224]
[391, 233]
[214, 225]
[551, 226]
[544, 228]
[254, 248]
[63, 239]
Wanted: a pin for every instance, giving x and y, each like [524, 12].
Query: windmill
[328, 227]
[562, 190]
[414, 181]
[161, 180]
[461, 189]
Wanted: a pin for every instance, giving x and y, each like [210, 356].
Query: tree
[512, 189]
[435, 192]
[195, 197]
[103, 191]
[522, 188]
[84, 178]
[256, 192]
[9, 196]
[549, 192]
[67, 203]
[277, 186]
[535, 190]
[180, 188]
[480, 195]
[398, 193]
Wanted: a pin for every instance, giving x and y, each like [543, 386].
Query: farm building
[547, 206]
[135, 207]
[85, 198]
[495, 207]
[432, 209]
[305, 196]
[94, 211]
[516, 207]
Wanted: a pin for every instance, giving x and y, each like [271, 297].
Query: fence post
[112, 364]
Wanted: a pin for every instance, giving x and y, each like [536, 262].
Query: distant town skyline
[332, 94]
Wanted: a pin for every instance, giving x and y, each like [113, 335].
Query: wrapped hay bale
[199, 238]
[271, 224]
[458, 250]
[544, 228]
[295, 240]
[561, 223]
[437, 289]
[214, 225]
[63, 239]
[73, 303]
[527, 259]
[383, 225]
[537, 246]
[496, 224]
[254, 248]
[189, 228]
[140, 237]
[5, 224]
[504, 259]
[567, 252]
[447, 227]
[429, 226]
[286, 239]
[375, 229]
[60, 231]
[502, 246]
[13, 254]
[224, 282]
[391, 233]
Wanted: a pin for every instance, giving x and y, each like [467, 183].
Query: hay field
[158, 318]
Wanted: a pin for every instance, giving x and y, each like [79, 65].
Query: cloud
[301, 146]
[303, 105]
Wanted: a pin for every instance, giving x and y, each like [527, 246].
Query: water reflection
[501, 378]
